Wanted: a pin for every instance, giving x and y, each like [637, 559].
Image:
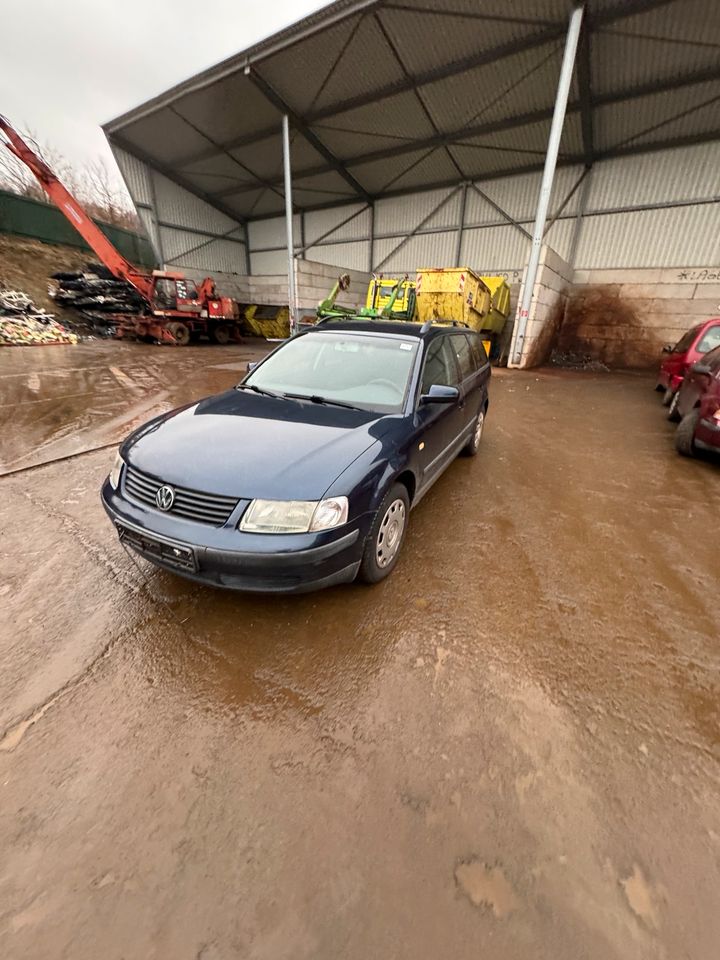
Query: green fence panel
[43, 221]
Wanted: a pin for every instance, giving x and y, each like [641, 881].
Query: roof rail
[426, 327]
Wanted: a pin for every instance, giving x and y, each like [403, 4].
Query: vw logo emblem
[165, 498]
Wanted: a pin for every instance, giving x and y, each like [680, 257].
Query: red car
[691, 347]
[698, 405]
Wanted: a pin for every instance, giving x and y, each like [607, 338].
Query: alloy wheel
[390, 533]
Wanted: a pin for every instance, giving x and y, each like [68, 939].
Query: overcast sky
[66, 66]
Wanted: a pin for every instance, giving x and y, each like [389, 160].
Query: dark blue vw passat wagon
[304, 474]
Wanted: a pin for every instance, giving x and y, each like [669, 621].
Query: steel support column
[461, 224]
[292, 293]
[371, 243]
[246, 238]
[155, 220]
[561, 99]
[582, 207]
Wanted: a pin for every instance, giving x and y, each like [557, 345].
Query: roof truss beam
[568, 161]
[301, 126]
[510, 123]
[548, 34]
[170, 173]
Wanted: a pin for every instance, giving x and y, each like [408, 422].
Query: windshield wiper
[261, 390]
[314, 398]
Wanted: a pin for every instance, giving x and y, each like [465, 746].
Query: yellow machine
[445, 295]
[380, 298]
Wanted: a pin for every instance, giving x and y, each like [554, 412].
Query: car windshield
[367, 371]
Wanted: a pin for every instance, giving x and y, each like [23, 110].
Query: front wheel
[685, 434]
[385, 540]
[667, 396]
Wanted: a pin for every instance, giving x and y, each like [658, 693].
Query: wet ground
[508, 749]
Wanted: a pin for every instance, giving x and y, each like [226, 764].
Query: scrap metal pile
[23, 324]
[95, 290]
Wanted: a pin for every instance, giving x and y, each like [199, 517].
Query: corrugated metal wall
[618, 229]
[184, 230]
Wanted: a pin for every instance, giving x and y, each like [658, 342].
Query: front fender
[366, 480]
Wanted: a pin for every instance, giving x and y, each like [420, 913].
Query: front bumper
[224, 557]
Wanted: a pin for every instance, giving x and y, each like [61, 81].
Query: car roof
[402, 328]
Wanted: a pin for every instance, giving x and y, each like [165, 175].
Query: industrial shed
[419, 133]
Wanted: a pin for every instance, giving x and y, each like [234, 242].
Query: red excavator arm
[67, 204]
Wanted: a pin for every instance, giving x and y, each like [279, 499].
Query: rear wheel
[685, 435]
[220, 334]
[385, 540]
[181, 332]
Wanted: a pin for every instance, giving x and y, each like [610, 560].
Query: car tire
[385, 540]
[673, 414]
[473, 445]
[685, 434]
[659, 388]
[667, 396]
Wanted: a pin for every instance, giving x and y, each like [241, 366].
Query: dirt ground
[508, 749]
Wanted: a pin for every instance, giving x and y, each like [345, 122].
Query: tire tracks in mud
[13, 734]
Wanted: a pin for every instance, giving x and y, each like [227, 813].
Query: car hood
[243, 445]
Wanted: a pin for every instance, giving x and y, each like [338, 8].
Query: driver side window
[440, 365]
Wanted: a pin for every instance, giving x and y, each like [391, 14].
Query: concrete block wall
[314, 282]
[624, 317]
[549, 300]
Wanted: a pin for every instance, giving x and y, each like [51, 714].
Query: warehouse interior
[419, 133]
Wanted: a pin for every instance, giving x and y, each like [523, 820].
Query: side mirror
[667, 348]
[251, 365]
[439, 393]
[701, 367]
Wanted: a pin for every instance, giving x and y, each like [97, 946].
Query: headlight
[294, 516]
[114, 477]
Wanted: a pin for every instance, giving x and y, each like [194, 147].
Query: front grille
[191, 504]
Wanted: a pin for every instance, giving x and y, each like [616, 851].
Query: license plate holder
[176, 555]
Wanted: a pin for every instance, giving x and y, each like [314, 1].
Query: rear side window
[440, 365]
[709, 340]
[478, 349]
[464, 354]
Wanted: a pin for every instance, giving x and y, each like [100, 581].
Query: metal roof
[387, 97]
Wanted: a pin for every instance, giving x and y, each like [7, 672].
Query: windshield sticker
[406, 346]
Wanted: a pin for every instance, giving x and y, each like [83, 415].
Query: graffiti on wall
[700, 276]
